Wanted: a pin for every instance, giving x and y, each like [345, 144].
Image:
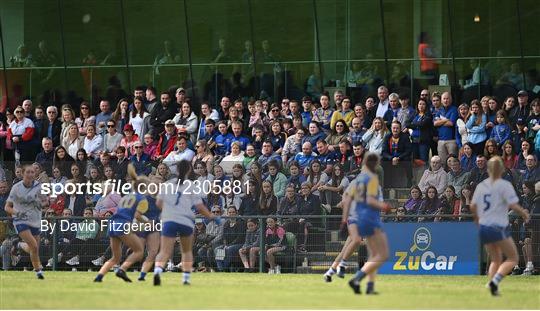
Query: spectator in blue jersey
[444, 120]
[468, 158]
[267, 155]
[392, 113]
[326, 157]
[476, 127]
[307, 105]
[222, 141]
[208, 131]
[356, 131]
[304, 158]
[140, 160]
[501, 132]
[296, 178]
[238, 136]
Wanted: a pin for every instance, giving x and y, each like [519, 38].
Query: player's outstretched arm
[9, 208]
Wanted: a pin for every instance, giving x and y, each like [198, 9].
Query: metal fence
[307, 244]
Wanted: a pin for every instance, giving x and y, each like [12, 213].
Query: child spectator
[501, 132]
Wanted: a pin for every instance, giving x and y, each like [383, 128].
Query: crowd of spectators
[291, 158]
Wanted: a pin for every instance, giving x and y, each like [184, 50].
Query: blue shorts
[22, 227]
[172, 229]
[115, 228]
[367, 225]
[492, 234]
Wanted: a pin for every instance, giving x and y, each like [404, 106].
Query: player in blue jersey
[120, 232]
[364, 195]
[150, 238]
[491, 200]
[24, 205]
[178, 219]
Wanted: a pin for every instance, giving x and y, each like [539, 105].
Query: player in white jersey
[491, 200]
[178, 218]
[24, 205]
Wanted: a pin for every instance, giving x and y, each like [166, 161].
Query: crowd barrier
[440, 246]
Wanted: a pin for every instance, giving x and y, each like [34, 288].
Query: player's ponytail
[132, 173]
[371, 161]
[495, 167]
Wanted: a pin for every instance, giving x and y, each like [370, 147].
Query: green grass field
[75, 290]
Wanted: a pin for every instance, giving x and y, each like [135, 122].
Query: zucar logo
[419, 257]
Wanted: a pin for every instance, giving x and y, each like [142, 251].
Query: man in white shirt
[92, 143]
[382, 107]
[182, 152]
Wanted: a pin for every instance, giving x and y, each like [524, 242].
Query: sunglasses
[110, 125]
[138, 147]
[275, 110]
[198, 146]
[84, 108]
[18, 111]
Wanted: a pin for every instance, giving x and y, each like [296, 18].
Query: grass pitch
[75, 290]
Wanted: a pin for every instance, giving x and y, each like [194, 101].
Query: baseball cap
[128, 127]
[216, 208]
[180, 89]
[169, 122]
[520, 121]
[198, 221]
[523, 93]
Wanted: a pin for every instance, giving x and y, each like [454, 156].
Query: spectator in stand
[277, 137]
[323, 114]
[526, 149]
[434, 176]
[450, 204]
[422, 134]
[489, 112]
[162, 113]
[151, 99]
[532, 172]
[208, 132]
[121, 163]
[251, 241]
[308, 204]
[250, 202]
[63, 160]
[268, 201]
[293, 145]
[456, 177]
[288, 207]
[278, 179]
[414, 202]
[112, 139]
[139, 117]
[332, 191]
[344, 113]
[237, 135]
[326, 157]
[316, 177]
[392, 113]
[235, 157]
[371, 110]
[107, 203]
[533, 120]
[103, 116]
[68, 118]
[522, 110]
[250, 157]
[465, 203]
[275, 236]
[203, 154]
[374, 137]
[509, 156]
[444, 120]
[305, 157]
[181, 153]
[186, 121]
[357, 130]
[479, 173]
[406, 112]
[397, 149]
[296, 178]
[468, 159]
[167, 141]
[140, 160]
[430, 205]
[73, 140]
[501, 131]
[129, 139]
[20, 134]
[490, 149]
[83, 162]
[353, 167]
[40, 175]
[476, 126]
[52, 126]
[233, 238]
[214, 230]
[121, 114]
[462, 133]
[529, 201]
[85, 118]
[46, 156]
[268, 155]
[336, 135]
[315, 134]
[93, 144]
[383, 105]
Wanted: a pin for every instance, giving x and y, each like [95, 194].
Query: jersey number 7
[486, 202]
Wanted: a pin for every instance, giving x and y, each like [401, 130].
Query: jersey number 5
[486, 202]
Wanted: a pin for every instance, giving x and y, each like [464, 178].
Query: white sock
[158, 270]
[186, 276]
[342, 263]
[331, 271]
[529, 265]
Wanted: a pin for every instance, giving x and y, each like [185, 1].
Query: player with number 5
[491, 201]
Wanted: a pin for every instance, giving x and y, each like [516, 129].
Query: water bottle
[305, 262]
[278, 269]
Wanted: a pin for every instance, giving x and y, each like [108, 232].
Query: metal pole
[189, 56]
[62, 38]
[4, 63]
[384, 42]
[54, 245]
[318, 51]
[262, 251]
[257, 80]
[520, 33]
[450, 23]
[124, 36]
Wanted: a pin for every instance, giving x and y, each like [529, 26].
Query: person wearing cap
[161, 113]
[166, 142]
[129, 139]
[522, 109]
[140, 160]
[180, 98]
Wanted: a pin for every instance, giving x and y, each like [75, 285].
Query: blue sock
[359, 275]
[143, 275]
[497, 278]
[99, 277]
[370, 286]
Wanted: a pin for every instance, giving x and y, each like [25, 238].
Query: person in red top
[428, 66]
[167, 141]
[21, 133]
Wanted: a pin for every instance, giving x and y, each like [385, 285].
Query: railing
[308, 246]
